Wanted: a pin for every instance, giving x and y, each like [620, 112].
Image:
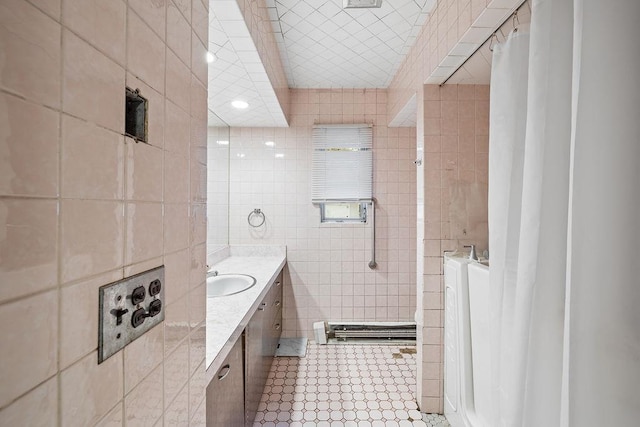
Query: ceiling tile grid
[323, 45]
[238, 72]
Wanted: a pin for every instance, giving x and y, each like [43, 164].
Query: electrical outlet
[128, 309]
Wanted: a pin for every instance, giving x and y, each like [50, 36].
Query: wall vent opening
[136, 107]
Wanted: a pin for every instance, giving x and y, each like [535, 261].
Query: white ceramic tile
[178, 33]
[100, 23]
[93, 84]
[28, 248]
[145, 52]
[142, 356]
[143, 405]
[144, 236]
[38, 408]
[29, 166]
[92, 161]
[143, 172]
[176, 372]
[89, 391]
[92, 236]
[31, 56]
[27, 363]
[79, 317]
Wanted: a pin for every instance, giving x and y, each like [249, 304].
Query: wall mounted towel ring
[259, 213]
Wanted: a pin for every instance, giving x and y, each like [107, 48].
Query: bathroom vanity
[243, 330]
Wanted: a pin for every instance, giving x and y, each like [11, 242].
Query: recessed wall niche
[136, 107]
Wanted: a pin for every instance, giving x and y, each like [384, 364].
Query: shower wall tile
[455, 210]
[30, 167]
[31, 54]
[82, 206]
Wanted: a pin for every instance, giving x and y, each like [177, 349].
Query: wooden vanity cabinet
[235, 391]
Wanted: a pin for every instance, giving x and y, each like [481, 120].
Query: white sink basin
[221, 285]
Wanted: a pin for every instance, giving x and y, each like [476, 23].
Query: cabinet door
[225, 393]
[254, 363]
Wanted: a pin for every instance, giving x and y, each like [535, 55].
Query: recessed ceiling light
[357, 4]
[241, 105]
[279, 155]
[269, 143]
[210, 57]
[222, 142]
[241, 155]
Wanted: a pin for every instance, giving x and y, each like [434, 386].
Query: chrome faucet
[472, 253]
[213, 273]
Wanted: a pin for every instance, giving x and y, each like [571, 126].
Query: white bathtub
[467, 392]
[480, 343]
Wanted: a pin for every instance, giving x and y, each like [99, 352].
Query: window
[343, 212]
[342, 178]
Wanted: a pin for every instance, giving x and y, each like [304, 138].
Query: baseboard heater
[371, 332]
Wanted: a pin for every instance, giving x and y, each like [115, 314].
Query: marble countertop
[228, 316]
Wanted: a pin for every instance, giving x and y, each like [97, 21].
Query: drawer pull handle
[277, 303]
[261, 308]
[278, 283]
[226, 369]
[277, 326]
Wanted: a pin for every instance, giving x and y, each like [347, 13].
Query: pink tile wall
[456, 149]
[447, 23]
[328, 277]
[81, 206]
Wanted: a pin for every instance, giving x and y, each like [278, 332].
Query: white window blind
[342, 162]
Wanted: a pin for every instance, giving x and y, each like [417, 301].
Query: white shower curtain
[509, 77]
[564, 203]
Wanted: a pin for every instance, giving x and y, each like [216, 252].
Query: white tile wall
[328, 277]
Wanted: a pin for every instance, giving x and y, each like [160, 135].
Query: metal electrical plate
[116, 322]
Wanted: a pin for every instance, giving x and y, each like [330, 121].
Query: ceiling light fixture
[223, 142]
[279, 156]
[210, 57]
[240, 105]
[360, 4]
[269, 143]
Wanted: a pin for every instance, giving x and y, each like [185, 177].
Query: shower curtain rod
[511, 16]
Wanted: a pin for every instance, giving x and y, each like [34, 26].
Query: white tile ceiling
[323, 45]
[238, 72]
